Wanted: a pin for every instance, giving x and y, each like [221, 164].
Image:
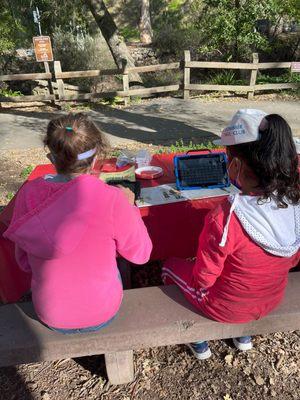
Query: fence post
[50, 87]
[60, 82]
[125, 82]
[253, 75]
[187, 75]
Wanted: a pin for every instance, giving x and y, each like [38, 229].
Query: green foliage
[12, 25]
[10, 195]
[111, 101]
[17, 26]
[136, 99]
[181, 147]
[10, 93]
[115, 153]
[81, 53]
[286, 77]
[175, 5]
[26, 171]
[162, 78]
[226, 77]
[229, 27]
[67, 106]
[224, 29]
[130, 33]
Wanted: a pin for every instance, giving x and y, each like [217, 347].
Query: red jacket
[243, 281]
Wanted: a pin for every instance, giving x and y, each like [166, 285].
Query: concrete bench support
[119, 367]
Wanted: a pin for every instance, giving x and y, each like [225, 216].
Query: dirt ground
[270, 371]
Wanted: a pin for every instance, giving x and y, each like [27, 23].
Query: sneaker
[200, 350]
[243, 343]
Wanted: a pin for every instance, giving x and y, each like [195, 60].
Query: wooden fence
[254, 67]
[57, 89]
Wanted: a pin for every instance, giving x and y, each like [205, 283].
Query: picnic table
[174, 228]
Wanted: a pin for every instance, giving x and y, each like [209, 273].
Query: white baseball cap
[243, 128]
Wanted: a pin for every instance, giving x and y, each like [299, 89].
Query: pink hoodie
[68, 235]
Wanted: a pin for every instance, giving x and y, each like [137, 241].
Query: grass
[135, 99]
[180, 147]
[287, 77]
[111, 101]
[10, 93]
[226, 78]
[10, 195]
[114, 153]
[26, 171]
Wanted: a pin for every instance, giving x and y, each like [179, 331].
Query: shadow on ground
[125, 125]
[13, 385]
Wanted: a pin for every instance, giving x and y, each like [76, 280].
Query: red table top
[165, 161]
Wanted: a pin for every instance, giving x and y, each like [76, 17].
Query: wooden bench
[154, 316]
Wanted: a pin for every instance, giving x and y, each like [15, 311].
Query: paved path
[158, 121]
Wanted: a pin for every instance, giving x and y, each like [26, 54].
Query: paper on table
[168, 193]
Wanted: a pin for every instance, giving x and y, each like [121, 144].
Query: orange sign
[42, 48]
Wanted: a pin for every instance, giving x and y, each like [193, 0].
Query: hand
[128, 193]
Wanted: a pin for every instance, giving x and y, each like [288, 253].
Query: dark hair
[274, 161]
[70, 135]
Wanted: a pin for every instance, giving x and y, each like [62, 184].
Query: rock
[228, 359]
[259, 380]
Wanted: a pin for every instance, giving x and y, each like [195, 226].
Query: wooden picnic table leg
[119, 367]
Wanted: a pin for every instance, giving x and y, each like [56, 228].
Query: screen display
[202, 171]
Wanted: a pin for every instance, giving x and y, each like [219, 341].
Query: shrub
[285, 77]
[226, 77]
[162, 78]
[181, 147]
[82, 52]
[5, 92]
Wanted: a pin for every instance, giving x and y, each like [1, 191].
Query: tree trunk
[111, 34]
[146, 32]
[237, 30]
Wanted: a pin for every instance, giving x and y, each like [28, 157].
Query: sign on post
[295, 67]
[43, 48]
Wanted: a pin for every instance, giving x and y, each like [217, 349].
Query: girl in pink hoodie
[251, 240]
[69, 228]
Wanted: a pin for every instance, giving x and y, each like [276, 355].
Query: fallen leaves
[228, 359]
[259, 380]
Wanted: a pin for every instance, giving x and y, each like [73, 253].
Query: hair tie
[86, 154]
[69, 129]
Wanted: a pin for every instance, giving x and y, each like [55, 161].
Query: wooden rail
[25, 77]
[219, 65]
[87, 74]
[58, 90]
[254, 67]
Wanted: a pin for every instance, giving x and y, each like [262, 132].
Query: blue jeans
[82, 330]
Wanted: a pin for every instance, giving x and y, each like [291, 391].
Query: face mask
[236, 180]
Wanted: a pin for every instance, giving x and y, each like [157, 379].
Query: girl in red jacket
[251, 240]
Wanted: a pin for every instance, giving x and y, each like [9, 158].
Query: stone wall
[143, 54]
